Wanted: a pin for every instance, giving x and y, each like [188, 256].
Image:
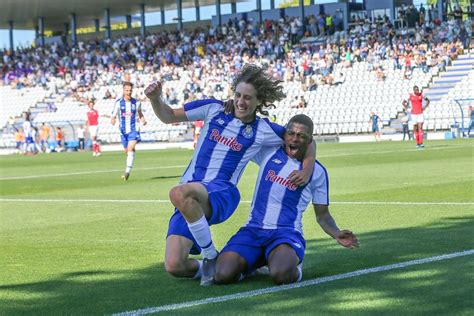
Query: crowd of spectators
[294, 50]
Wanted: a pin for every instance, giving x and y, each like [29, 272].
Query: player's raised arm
[164, 112]
[344, 237]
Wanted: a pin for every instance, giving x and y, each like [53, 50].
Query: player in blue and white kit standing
[207, 193]
[273, 234]
[129, 111]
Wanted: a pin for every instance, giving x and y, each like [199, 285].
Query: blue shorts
[128, 137]
[255, 244]
[375, 128]
[224, 199]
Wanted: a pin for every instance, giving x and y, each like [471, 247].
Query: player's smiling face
[297, 139]
[245, 102]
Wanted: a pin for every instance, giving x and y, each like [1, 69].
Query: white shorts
[197, 130]
[93, 130]
[417, 118]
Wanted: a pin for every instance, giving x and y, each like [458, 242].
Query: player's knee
[175, 267]
[183, 198]
[177, 196]
[227, 269]
[225, 275]
[282, 275]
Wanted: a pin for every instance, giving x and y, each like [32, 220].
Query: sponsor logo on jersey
[232, 143]
[273, 177]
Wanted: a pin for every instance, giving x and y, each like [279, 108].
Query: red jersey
[416, 103]
[93, 117]
[199, 124]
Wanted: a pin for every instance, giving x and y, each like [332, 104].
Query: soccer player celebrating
[207, 193]
[416, 100]
[128, 110]
[92, 124]
[273, 234]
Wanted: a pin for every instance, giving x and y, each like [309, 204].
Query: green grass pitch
[69, 244]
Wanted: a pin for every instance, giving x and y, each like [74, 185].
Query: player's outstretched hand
[228, 106]
[298, 178]
[153, 91]
[347, 239]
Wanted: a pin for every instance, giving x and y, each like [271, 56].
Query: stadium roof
[25, 13]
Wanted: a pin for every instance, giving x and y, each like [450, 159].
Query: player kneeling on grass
[273, 235]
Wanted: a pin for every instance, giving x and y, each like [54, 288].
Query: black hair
[303, 120]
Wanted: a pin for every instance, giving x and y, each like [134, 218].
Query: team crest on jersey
[220, 121]
[248, 131]
[277, 161]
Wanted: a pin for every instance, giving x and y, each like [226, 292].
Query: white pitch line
[86, 172]
[281, 288]
[167, 201]
[244, 201]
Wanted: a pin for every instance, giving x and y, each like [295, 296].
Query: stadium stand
[342, 76]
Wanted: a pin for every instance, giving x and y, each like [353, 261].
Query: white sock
[130, 159]
[199, 271]
[300, 272]
[202, 233]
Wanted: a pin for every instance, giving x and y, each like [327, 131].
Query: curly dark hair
[268, 89]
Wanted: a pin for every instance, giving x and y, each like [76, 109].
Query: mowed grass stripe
[320, 156]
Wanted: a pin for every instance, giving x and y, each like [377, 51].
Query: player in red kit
[416, 100]
[93, 126]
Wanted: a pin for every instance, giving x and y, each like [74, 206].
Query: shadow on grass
[445, 290]
[165, 177]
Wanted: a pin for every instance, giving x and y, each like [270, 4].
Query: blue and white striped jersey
[127, 115]
[226, 145]
[276, 202]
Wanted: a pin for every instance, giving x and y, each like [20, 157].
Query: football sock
[300, 272]
[199, 270]
[94, 146]
[130, 159]
[417, 137]
[421, 136]
[202, 234]
[98, 147]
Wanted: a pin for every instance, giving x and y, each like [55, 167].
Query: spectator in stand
[339, 79]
